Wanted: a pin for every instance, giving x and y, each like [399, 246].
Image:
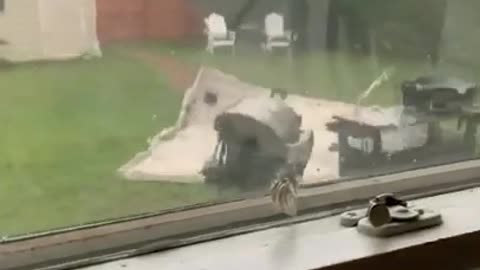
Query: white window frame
[135, 236]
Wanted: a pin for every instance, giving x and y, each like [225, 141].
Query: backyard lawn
[68, 126]
[334, 76]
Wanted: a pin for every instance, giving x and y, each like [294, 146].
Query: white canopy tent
[48, 29]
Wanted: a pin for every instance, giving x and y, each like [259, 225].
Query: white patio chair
[217, 33]
[275, 33]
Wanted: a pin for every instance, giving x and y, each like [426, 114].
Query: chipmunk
[284, 190]
[285, 185]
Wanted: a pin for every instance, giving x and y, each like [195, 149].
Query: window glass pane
[113, 108]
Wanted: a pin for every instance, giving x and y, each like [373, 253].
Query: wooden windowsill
[217, 221]
[324, 244]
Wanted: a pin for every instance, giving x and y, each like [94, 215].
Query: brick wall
[123, 20]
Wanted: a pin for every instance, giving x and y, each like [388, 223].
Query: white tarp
[178, 153]
[48, 29]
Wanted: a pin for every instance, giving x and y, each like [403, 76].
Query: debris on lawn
[178, 153]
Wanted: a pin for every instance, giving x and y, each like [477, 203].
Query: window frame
[465, 256]
[100, 242]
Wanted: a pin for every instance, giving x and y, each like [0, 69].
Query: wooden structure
[362, 146]
[124, 20]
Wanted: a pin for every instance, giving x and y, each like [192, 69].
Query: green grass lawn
[335, 76]
[68, 126]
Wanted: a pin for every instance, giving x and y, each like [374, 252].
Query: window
[107, 119]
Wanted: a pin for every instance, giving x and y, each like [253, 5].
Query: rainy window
[110, 109]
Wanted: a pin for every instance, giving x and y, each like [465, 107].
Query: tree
[299, 11]
[237, 20]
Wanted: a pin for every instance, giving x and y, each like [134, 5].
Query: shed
[47, 29]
